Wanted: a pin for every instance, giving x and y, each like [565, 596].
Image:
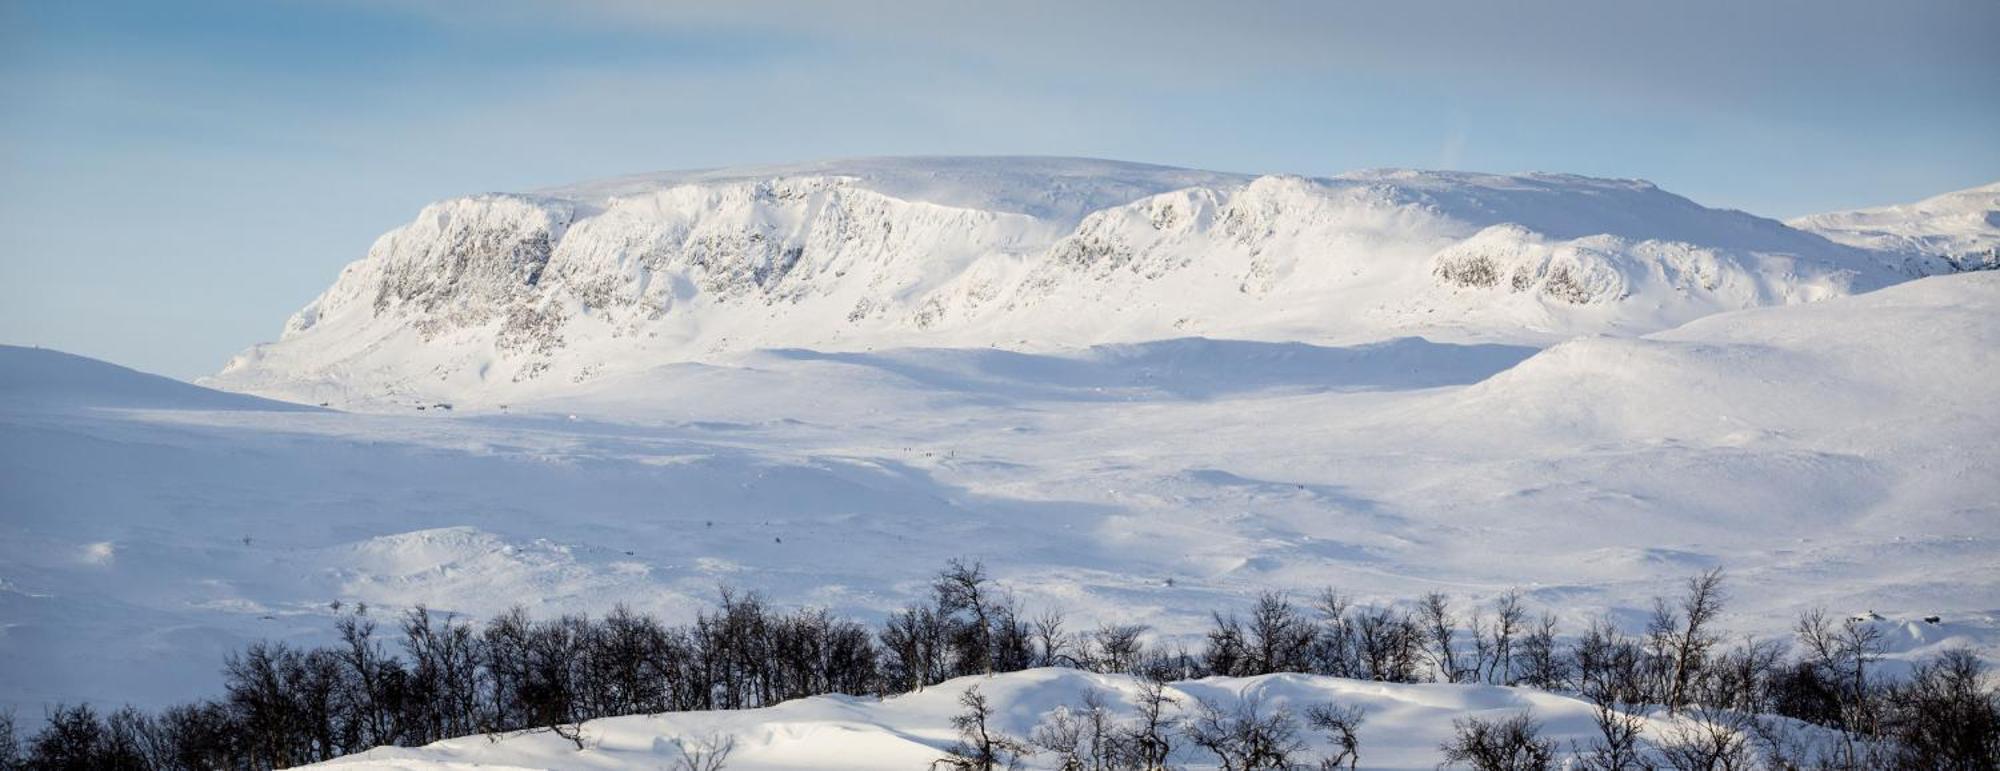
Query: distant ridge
[41, 377]
[497, 294]
[1961, 227]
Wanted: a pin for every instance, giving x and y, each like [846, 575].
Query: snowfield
[1838, 454]
[1137, 394]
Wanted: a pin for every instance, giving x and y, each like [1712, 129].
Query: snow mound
[1403, 726]
[43, 378]
[1921, 354]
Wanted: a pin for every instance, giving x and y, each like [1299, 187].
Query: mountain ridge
[503, 292]
[1961, 227]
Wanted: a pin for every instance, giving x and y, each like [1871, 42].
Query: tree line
[443, 676]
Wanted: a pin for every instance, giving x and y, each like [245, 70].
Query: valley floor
[1837, 454]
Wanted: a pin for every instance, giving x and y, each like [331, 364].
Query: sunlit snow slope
[1838, 453]
[493, 298]
[1955, 231]
[1405, 725]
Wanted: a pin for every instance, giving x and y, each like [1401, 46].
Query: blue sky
[177, 178]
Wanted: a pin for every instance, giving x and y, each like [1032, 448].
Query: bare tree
[1387, 645]
[1149, 741]
[1279, 636]
[10, 742]
[444, 670]
[1226, 653]
[709, 753]
[1945, 717]
[914, 641]
[1104, 741]
[129, 741]
[197, 736]
[963, 588]
[1061, 734]
[1691, 643]
[1842, 657]
[290, 706]
[1510, 744]
[73, 739]
[979, 747]
[1607, 664]
[1339, 723]
[1011, 637]
[1482, 647]
[1741, 678]
[572, 732]
[1115, 648]
[1542, 665]
[1246, 737]
[1052, 644]
[1334, 651]
[626, 654]
[1616, 747]
[371, 679]
[1709, 738]
[1507, 618]
[1440, 628]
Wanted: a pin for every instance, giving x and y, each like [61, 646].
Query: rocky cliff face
[492, 294]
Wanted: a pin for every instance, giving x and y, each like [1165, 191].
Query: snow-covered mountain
[1955, 231]
[504, 295]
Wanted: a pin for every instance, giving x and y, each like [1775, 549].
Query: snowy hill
[837, 732]
[500, 296]
[1835, 454]
[1955, 231]
[39, 378]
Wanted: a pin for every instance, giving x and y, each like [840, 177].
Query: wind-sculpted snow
[498, 297]
[1060, 189]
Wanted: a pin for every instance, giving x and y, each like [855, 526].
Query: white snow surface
[1961, 227]
[1402, 730]
[498, 297]
[1138, 394]
[1836, 454]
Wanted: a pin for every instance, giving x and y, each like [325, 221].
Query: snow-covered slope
[1837, 454]
[494, 297]
[40, 379]
[1955, 231]
[1402, 730]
